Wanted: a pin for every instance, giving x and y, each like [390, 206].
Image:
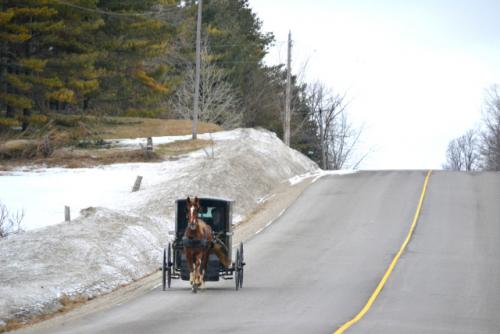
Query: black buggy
[217, 213]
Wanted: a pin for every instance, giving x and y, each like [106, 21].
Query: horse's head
[192, 208]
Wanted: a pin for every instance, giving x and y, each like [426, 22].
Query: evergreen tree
[73, 55]
[128, 57]
[49, 54]
[136, 79]
[234, 34]
[23, 71]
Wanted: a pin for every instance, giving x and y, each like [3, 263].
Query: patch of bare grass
[181, 147]
[19, 148]
[68, 303]
[87, 158]
[71, 302]
[11, 325]
[149, 127]
[57, 147]
[92, 158]
[83, 159]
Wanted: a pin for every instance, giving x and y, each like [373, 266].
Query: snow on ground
[42, 193]
[119, 237]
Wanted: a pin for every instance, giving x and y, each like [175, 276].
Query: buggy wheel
[169, 265]
[242, 264]
[237, 265]
[164, 269]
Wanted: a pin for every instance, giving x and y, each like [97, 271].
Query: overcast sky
[415, 71]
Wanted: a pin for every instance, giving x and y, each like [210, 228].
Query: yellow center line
[384, 279]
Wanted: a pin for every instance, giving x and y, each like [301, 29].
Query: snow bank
[120, 237]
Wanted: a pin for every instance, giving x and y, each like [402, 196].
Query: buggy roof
[208, 199]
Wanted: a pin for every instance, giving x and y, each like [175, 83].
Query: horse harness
[194, 243]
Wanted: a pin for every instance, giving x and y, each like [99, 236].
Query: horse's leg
[207, 235]
[204, 266]
[198, 267]
[202, 269]
[193, 273]
[194, 285]
[189, 260]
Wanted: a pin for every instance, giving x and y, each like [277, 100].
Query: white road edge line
[260, 230]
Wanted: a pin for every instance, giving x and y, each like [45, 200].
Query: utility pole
[286, 124]
[197, 74]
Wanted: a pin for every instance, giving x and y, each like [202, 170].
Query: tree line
[136, 58]
[479, 148]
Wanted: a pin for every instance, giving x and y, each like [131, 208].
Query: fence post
[67, 214]
[137, 184]
[148, 152]
[149, 144]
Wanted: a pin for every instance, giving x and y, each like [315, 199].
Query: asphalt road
[448, 281]
[315, 268]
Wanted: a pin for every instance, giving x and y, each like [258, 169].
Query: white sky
[415, 71]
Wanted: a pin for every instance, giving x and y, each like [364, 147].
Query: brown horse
[197, 241]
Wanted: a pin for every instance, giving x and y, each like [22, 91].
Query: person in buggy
[218, 247]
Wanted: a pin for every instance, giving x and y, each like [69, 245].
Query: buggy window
[207, 213]
[214, 216]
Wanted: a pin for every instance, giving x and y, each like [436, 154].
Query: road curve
[315, 268]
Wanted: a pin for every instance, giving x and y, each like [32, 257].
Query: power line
[111, 13]
[150, 14]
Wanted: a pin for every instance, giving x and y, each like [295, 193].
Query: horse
[197, 242]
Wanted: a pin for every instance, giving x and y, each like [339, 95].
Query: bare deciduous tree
[323, 108]
[337, 136]
[453, 157]
[218, 102]
[490, 148]
[463, 153]
[10, 223]
[343, 143]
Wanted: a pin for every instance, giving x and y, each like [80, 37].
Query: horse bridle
[193, 218]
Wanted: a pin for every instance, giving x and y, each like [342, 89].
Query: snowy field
[119, 235]
[42, 193]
